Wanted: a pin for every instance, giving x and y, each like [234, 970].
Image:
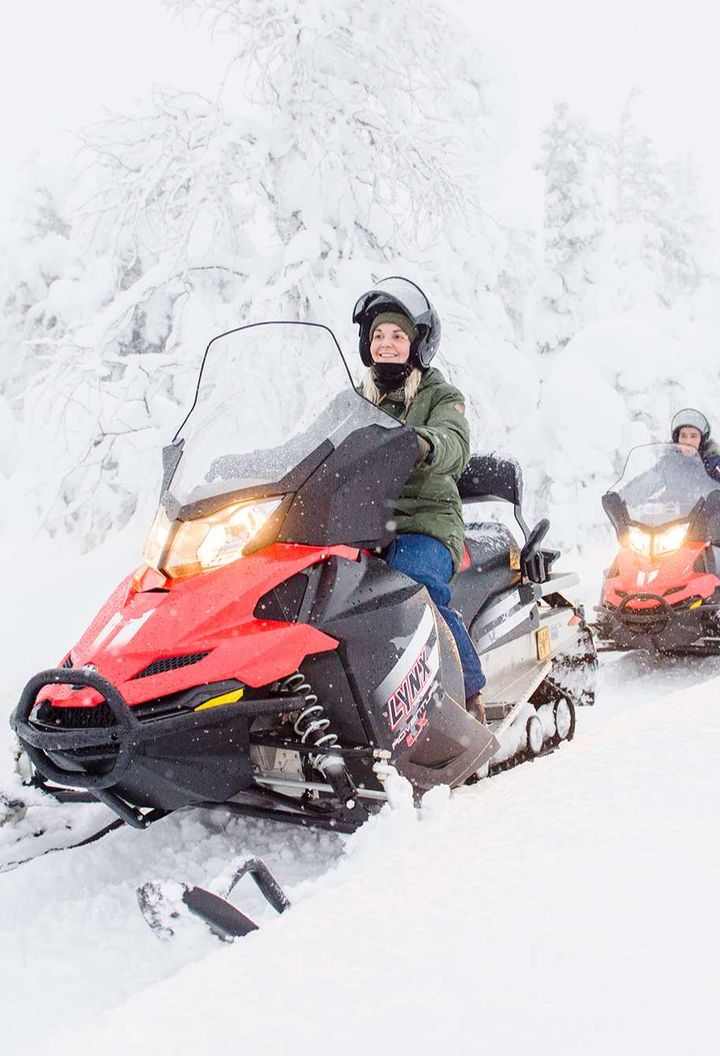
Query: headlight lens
[158, 539]
[672, 539]
[640, 541]
[185, 548]
[653, 544]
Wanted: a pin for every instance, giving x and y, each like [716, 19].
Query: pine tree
[657, 232]
[572, 226]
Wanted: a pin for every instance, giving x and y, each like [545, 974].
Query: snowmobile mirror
[171, 455]
[615, 509]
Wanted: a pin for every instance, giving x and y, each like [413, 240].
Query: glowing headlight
[657, 543]
[640, 540]
[185, 548]
[158, 539]
[672, 539]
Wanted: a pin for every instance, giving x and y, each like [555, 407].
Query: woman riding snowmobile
[399, 336]
[662, 591]
[263, 656]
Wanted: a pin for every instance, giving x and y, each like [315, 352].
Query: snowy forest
[313, 172]
[556, 895]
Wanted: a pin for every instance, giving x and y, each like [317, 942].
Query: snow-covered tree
[572, 226]
[36, 251]
[344, 144]
[656, 233]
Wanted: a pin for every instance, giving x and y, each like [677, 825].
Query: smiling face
[389, 344]
[690, 437]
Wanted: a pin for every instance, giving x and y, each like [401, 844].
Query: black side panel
[369, 607]
[490, 547]
[283, 602]
[403, 669]
[351, 497]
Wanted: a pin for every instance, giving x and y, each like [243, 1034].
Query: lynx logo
[404, 700]
[406, 689]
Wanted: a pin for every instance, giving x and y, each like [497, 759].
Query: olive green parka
[429, 503]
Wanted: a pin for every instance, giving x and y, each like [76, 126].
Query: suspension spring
[312, 724]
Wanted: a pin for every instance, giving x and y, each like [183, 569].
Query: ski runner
[399, 335]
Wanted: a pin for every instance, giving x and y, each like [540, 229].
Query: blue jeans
[428, 561]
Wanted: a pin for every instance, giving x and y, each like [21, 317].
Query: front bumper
[165, 762]
[658, 627]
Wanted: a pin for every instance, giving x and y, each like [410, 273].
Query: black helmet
[689, 417]
[396, 294]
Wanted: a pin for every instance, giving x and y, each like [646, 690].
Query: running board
[556, 582]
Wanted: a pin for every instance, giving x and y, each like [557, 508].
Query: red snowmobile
[264, 657]
[662, 591]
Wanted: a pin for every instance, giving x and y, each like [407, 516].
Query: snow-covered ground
[566, 906]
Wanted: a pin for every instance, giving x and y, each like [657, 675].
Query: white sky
[62, 61]
[593, 53]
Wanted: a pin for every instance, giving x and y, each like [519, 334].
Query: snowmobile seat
[492, 566]
[488, 478]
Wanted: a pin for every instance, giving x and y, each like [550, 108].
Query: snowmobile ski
[163, 904]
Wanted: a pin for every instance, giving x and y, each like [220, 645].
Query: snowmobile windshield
[662, 483]
[268, 396]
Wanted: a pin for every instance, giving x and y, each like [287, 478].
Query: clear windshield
[662, 482]
[269, 395]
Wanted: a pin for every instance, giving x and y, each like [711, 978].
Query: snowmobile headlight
[231, 530]
[671, 539]
[640, 541]
[158, 539]
[185, 548]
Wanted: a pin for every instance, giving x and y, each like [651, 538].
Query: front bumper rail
[126, 737]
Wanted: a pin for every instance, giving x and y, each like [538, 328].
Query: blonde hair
[371, 392]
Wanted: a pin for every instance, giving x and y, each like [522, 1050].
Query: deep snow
[566, 906]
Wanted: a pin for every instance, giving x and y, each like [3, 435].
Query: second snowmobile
[264, 656]
[661, 593]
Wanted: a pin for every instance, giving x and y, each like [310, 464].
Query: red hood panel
[641, 575]
[211, 613]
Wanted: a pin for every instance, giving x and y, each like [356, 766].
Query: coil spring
[312, 724]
